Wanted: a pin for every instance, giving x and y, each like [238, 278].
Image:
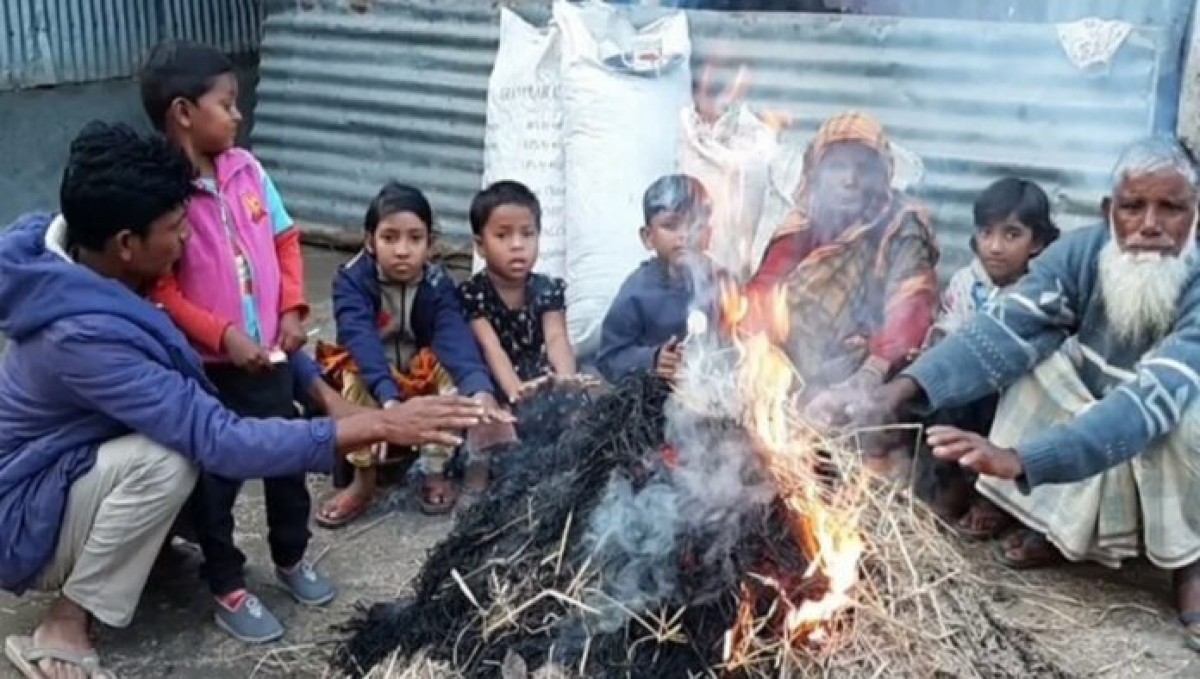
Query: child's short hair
[179, 69]
[678, 193]
[1020, 199]
[117, 179]
[503, 193]
[393, 198]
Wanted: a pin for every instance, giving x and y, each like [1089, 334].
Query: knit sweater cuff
[933, 383]
[1040, 461]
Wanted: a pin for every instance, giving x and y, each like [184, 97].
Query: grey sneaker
[250, 622]
[306, 585]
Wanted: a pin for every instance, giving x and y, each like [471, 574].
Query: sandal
[984, 521]
[25, 657]
[438, 495]
[342, 509]
[1026, 549]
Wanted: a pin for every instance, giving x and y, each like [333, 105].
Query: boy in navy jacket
[647, 321]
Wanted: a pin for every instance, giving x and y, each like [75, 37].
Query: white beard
[1141, 290]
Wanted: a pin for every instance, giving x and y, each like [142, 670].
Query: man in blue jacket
[104, 407]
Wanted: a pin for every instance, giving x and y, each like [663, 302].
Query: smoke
[673, 536]
[634, 542]
[688, 517]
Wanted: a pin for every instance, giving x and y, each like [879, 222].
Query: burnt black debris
[569, 452]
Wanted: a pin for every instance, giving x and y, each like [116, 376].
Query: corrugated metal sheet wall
[49, 42]
[349, 99]
[234, 26]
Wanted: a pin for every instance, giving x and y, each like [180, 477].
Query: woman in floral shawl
[856, 260]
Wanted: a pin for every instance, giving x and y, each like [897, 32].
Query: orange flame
[758, 322]
[823, 522]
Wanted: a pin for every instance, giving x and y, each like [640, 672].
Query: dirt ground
[1100, 623]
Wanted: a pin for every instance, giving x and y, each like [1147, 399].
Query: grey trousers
[118, 515]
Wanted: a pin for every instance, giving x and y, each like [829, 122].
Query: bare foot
[65, 627]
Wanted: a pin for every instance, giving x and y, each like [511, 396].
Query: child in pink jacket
[237, 293]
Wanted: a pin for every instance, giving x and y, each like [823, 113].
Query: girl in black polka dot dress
[518, 317]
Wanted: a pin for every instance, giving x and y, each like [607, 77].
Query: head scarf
[851, 127]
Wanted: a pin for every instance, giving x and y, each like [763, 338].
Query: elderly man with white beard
[1096, 442]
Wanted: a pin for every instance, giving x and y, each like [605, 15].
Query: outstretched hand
[830, 408]
[492, 413]
[431, 420]
[861, 403]
[850, 402]
[579, 382]
[974, 452]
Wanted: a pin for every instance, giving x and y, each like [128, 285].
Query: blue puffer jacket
[89, 361]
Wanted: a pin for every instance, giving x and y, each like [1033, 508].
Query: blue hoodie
[437, 321]
[89, 361]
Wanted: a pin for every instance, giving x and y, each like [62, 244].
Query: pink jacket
[207, 271]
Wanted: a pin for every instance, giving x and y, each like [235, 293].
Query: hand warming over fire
[848, 403]
[554, 382]
[492, 412]
[974, 452]
[828, 409]
[414, 422]
[862, 402]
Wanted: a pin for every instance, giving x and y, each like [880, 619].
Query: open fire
[817, 508]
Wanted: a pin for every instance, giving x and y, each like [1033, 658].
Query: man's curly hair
[117, 179]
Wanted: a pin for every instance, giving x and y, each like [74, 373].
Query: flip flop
[1191, 628]
[340, 512]
[439, 497]
[25, 656]
[1027, 540]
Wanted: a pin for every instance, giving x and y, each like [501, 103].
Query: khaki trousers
[117, 517]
